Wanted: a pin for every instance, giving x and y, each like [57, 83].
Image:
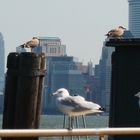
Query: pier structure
[23, 91]
[125, 83]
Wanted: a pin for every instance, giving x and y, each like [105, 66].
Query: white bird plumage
[34, 42]
[74, 105]
[138, 95]
[117, 32]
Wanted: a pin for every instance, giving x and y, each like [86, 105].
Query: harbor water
[56, 121]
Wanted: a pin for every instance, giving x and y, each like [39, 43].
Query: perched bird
[118, 32]
[32, 43]
[138, 95]
[74, 105]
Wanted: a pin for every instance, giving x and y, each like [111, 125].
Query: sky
[80, 24]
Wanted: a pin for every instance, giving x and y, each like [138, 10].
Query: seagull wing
[112, 31]
[32, 43]
[76, 104]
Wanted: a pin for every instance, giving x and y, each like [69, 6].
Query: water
[54, 121]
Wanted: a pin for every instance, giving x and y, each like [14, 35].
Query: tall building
[2, 63]
[105, 76]
[53, 46]
[134, 17]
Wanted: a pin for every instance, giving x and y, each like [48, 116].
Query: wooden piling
[27, 90]
[10, 91]
[40, 90]
[23, 91]
[125, 83]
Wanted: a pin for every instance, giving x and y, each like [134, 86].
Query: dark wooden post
[23, 91]
[10, 91]
[40, 90]
[27, 92]
[124, 109]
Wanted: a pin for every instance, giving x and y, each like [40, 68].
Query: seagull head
[121, 27]
[35, 38]
[62, 92]
[137, 95]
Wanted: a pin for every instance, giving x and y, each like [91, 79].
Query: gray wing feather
[75, 104]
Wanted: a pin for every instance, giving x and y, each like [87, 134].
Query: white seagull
[138, 95]
[74, 105]
[118, 32]
[34, 42]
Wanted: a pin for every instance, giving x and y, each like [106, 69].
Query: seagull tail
[107, 34]
[22, 46]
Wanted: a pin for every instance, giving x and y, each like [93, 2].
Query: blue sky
[81, 24]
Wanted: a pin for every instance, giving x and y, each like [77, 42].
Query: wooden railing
[101, 132]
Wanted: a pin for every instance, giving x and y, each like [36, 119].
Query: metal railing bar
[66, 132]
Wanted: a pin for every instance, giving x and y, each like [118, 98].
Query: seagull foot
[70, 128]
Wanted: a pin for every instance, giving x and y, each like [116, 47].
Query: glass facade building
[2, 62]
[134, 17]
[53, 46]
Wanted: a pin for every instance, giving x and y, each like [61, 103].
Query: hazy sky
[81, 24]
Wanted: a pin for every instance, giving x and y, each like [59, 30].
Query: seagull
[74, 105]
[118, 32]
[138, 95]
[31, 44]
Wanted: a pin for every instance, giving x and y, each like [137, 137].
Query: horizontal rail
[66, 132]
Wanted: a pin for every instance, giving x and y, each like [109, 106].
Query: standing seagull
[74, 105]
[118, 32]
[138, 95]
[31, 44]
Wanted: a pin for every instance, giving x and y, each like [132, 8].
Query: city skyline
[80, 24]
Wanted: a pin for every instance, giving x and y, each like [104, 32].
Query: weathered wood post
[40, 90]
[27, 90]
[124, 109]
[10, 91]
[23, 91]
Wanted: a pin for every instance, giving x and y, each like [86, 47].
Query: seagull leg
[64, 121]
[71, 123]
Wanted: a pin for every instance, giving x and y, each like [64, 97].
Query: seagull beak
[53, 94]
[124, 28]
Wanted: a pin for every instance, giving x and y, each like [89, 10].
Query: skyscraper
[134, 17]
[52, 46]
[1, 62]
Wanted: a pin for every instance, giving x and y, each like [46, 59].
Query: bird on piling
[34, 42]
[74, 105]
[117, 32]
[138, 95]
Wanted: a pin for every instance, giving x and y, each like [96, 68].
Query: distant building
[53, 46]
[20, 50]
[134, 17]
[105, 76]
[96, 84]
[2, 62]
